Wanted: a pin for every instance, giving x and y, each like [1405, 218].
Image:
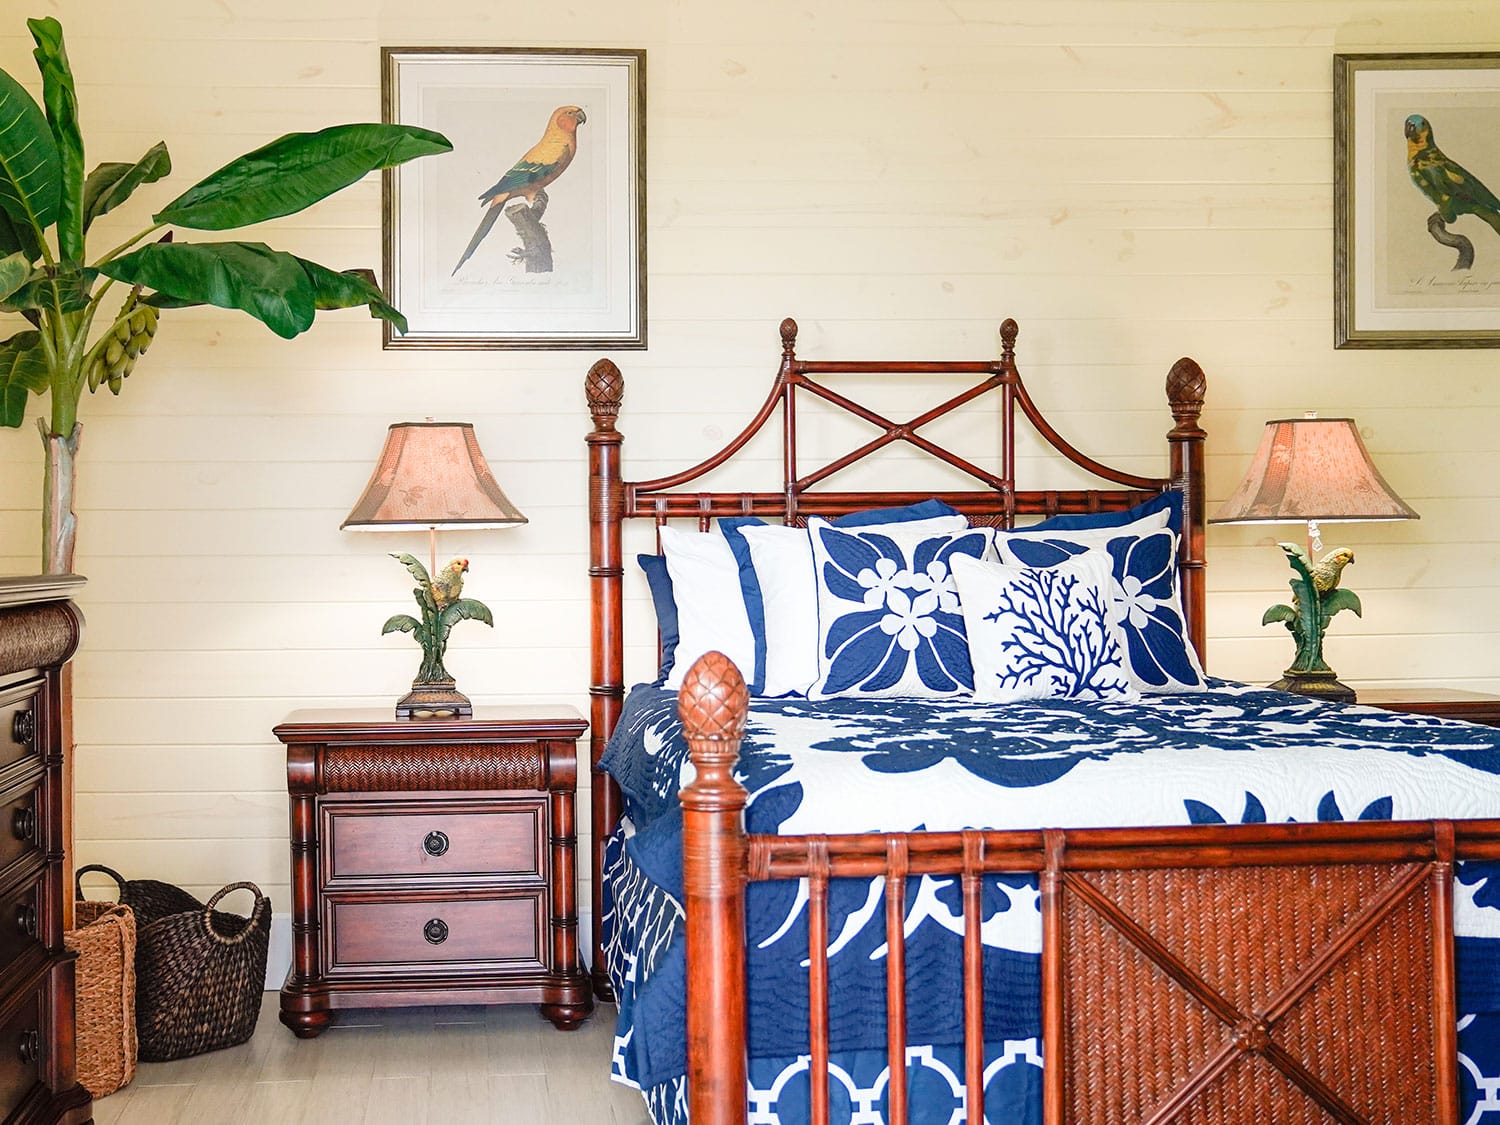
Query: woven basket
[105, 943]
[199, 977]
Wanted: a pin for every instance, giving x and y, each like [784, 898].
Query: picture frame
[1416, 265]
[481, 252]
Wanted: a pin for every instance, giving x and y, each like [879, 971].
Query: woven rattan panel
[1134, 1036]
[413, 766]
[36, 636]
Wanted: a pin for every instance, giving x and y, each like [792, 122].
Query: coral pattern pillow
[1143, 600]
[889, 617]
[1043, 633]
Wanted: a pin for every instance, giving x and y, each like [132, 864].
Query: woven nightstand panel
[415, 767]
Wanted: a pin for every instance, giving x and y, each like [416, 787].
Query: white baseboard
[279, 959]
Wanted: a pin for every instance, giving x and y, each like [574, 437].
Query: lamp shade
[1312, 470]
[431, 475]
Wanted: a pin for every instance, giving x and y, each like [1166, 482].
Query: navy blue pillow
[755, 606]
[660, 582]
[1169, 502]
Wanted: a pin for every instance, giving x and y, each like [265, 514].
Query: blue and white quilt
[1232, 754]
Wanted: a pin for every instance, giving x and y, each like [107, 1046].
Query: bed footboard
[1284, 972]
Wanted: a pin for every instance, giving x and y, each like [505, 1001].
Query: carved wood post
[604, 388]
[712, 702]
[1186, 385]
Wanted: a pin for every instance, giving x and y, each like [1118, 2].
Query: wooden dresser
[39, 631]
[433, 862]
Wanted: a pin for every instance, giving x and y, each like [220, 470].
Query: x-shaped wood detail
[1253, 1030]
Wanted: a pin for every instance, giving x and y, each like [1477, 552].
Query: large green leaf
[268, 284]
[1340, 598]
[111, 184]
[66, 289]
[350, 289]
[62, 115]
[295, 172]
[30, 167]
[466, 609]
[1283, 613]
[23, 371]
[400, 623]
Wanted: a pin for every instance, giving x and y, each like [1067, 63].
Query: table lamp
[432, 476]
[1313, 470]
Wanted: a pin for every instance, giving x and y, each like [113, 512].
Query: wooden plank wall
[1132, 181]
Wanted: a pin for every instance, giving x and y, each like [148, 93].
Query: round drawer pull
[30, 1047]
[436, 843]
[23, 824]
[436, 931]
[23, 727]
[26, 920]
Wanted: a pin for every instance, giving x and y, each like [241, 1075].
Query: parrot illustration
[448, 583]
[528, 177]
[1452, 188]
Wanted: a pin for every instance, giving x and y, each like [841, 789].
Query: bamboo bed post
[1186, 385]
[604, 388]
[713, 702]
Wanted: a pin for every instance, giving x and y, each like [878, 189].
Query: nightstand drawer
[19, 826]
[441, 933]
[379, 839]
[20, 920]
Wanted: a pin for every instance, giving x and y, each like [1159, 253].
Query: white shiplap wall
[1131, 181]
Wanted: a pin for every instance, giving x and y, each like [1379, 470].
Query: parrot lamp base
[433, 699]
[1315, 685]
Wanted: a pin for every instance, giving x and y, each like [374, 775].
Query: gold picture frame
[531, 232]
[1416, 264]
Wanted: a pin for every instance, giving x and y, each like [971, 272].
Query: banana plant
[1311, 610]
[78, 336]
[441, 609]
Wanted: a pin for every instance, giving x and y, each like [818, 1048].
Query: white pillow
[1043, 633]
[710, 608]
[783, 561]
[1090, 536]
[889, 621]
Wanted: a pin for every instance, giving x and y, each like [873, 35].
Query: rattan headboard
[993, 499]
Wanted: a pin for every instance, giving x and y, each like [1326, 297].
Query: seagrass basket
[104, 939]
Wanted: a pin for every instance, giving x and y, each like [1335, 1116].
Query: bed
[1218, 904]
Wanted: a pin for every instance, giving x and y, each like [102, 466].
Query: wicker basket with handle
[199, 977]
[104, 940]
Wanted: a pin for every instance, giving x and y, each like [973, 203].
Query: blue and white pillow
[889, 618]
[1144, 599]
[1043, 632]
[779, 587]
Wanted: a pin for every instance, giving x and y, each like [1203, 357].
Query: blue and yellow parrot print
[1453, 189]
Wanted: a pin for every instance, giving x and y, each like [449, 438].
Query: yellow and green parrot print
[1451, 187]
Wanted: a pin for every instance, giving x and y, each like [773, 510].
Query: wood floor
[399, 1066]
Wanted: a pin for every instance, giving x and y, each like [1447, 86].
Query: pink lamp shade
[431, 475]
[1312, 470]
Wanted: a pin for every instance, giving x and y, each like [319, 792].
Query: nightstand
[1446, 703]
[433, 862]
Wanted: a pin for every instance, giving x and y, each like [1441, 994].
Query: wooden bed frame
[1298, 972]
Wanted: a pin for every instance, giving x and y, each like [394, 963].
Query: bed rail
[1218, 974]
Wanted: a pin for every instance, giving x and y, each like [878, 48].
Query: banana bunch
[115, 355]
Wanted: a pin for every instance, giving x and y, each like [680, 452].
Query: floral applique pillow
[1043, 632]
[889, 618]
[1143, 601]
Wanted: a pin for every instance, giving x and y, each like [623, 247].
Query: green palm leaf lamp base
[1313, 470]
[432, 476]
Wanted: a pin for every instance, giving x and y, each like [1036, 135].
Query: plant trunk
[59, 522]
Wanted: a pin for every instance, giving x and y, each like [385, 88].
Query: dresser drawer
[21, 1047]
[19, 723]
[20, 821]
[372, 839]
[440, 934]
[20, 920]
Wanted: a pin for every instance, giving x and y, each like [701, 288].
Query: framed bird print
[530, 233]
[1417, 200]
